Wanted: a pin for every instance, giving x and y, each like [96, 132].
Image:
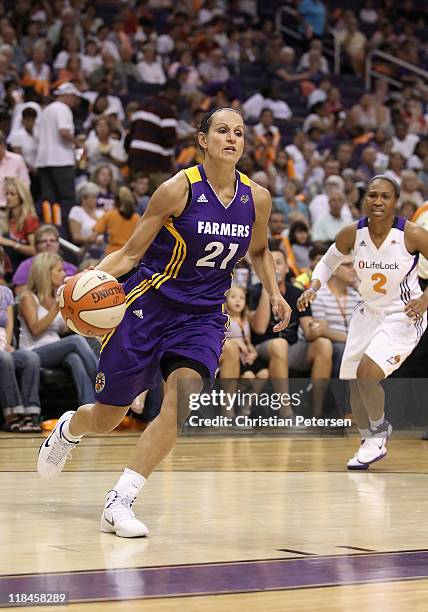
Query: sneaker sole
[105, 527]
[365, 466]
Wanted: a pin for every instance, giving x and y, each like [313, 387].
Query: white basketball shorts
[388, 339]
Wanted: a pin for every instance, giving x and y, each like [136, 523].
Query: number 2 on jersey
[379, 280]
[216, 249]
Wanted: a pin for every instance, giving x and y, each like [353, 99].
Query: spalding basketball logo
[100, 382]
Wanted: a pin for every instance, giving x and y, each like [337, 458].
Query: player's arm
[261, 258]
[328, 263]
[416, 239]
[168, 199]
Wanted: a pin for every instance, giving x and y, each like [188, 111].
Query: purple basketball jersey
[191, 260]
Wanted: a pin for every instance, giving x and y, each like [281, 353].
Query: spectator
[367, 169]
[327, 227]
[239, 357]
[82, 219]
[313, 14]
[281, 171]
[395, 166]
[22, 222]
[363, 116]
[410, 185]
[283, 351]
[120, 222]
[332, 313]
[42, 326]
[11, 165]
[73, 72]
[103, 177]
[304, 64]
[108, 75]
[403, 142]
[152, 137]
[37, 73]
[301, 244]
[46, 241]
[303, 281]
[19, 375]
[91, 59]
[265, 127]
[290, 204]
[268, 98]
[278, 232]
[354, 43]
[150, 68]
[319, 206]
[25, 141]
[407, 209]
[336, 302]
[103, 149]
[140, 188]
[55, 156]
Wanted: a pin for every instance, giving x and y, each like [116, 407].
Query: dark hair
[29, 112]
[276, 245]
[385, 177]
[207, 119]
[297, 226]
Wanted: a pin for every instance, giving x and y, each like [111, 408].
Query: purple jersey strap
[363, 222]
[399, 223]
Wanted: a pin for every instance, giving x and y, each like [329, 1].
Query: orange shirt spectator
[118, 223]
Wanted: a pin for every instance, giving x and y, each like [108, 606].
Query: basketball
[92, 303]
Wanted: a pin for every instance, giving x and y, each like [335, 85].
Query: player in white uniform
[391, 317]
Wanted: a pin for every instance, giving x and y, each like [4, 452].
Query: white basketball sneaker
[55, 449]
[119, 518]
[372, 448]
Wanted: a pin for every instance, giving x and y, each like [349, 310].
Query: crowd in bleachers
[100, 103]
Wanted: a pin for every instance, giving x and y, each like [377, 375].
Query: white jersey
[388, 274]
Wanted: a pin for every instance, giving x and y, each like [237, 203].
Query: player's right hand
[305, 299]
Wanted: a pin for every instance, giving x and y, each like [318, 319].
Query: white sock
[129, 484]
[68, 435]
[374, 424]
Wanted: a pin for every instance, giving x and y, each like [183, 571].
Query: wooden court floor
[254, 522]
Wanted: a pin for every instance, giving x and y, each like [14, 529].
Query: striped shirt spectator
[152, 138]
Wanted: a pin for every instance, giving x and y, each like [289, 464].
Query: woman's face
[89, 201]
[380, 200]
[225, 139]
[104, 177]
[235, 300]
[57, 274]
[12, 197]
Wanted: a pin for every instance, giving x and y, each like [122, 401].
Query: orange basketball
[92, 303]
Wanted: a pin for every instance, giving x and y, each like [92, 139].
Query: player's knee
[278, 349]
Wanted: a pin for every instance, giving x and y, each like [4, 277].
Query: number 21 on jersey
[379, 281]
[215, 249]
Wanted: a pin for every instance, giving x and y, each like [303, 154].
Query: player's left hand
[416, 308]
[281, 311]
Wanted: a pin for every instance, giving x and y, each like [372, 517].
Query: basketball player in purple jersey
[197, 225]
